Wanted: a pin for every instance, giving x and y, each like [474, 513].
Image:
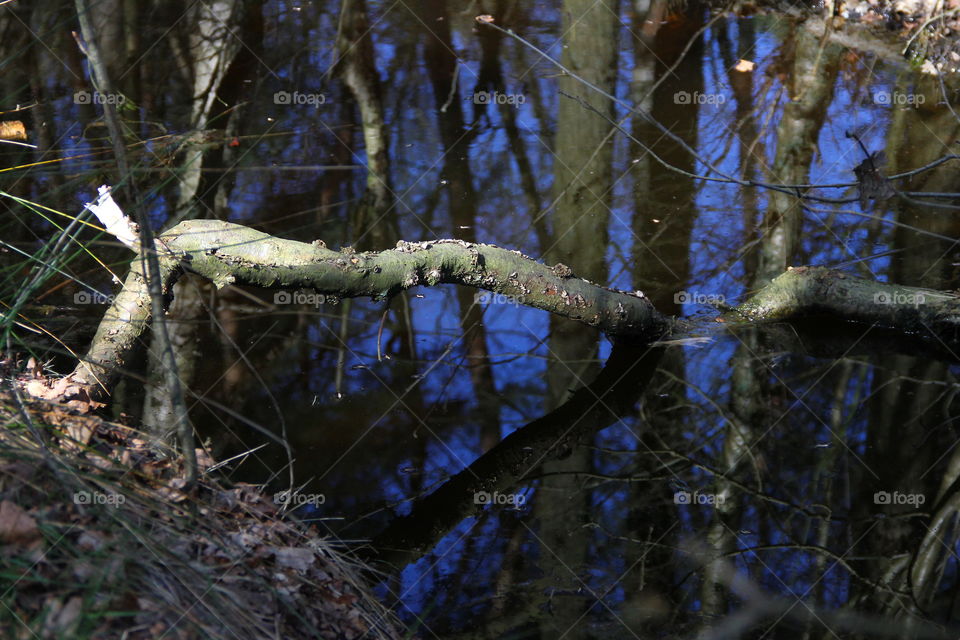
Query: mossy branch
[808, 291]
[233, 254]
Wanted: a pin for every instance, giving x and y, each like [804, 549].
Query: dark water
[767, 482]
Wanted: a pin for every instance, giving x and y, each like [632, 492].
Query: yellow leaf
[12, 130]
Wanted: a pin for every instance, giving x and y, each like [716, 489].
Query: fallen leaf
[65, 387]
[296, 558]
[172, 492]
[872, 183]
[61, 390]
[37, 388]
[81, 433]
[16, 525]
[12, 130]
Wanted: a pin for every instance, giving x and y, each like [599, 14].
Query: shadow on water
[516, 475]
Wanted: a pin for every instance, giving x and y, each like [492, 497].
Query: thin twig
[453, 89]
[383, 320]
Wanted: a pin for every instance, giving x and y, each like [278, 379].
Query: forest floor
[97, 540]
[920, 33]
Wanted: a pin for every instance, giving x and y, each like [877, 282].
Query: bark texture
[805, 291]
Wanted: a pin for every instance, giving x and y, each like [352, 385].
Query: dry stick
[101, 79]
[344, 334]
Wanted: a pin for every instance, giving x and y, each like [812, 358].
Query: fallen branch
[230, 254]
[807, 291]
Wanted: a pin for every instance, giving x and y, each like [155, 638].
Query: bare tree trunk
[665, 211]
[213, 44]
[903, 456]
[810, 88]
[609, 396]
[747, 375]
[182, 319]
[491, 79]
[583, 148]
[355, 66]
[232, 254]
[107, 19]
